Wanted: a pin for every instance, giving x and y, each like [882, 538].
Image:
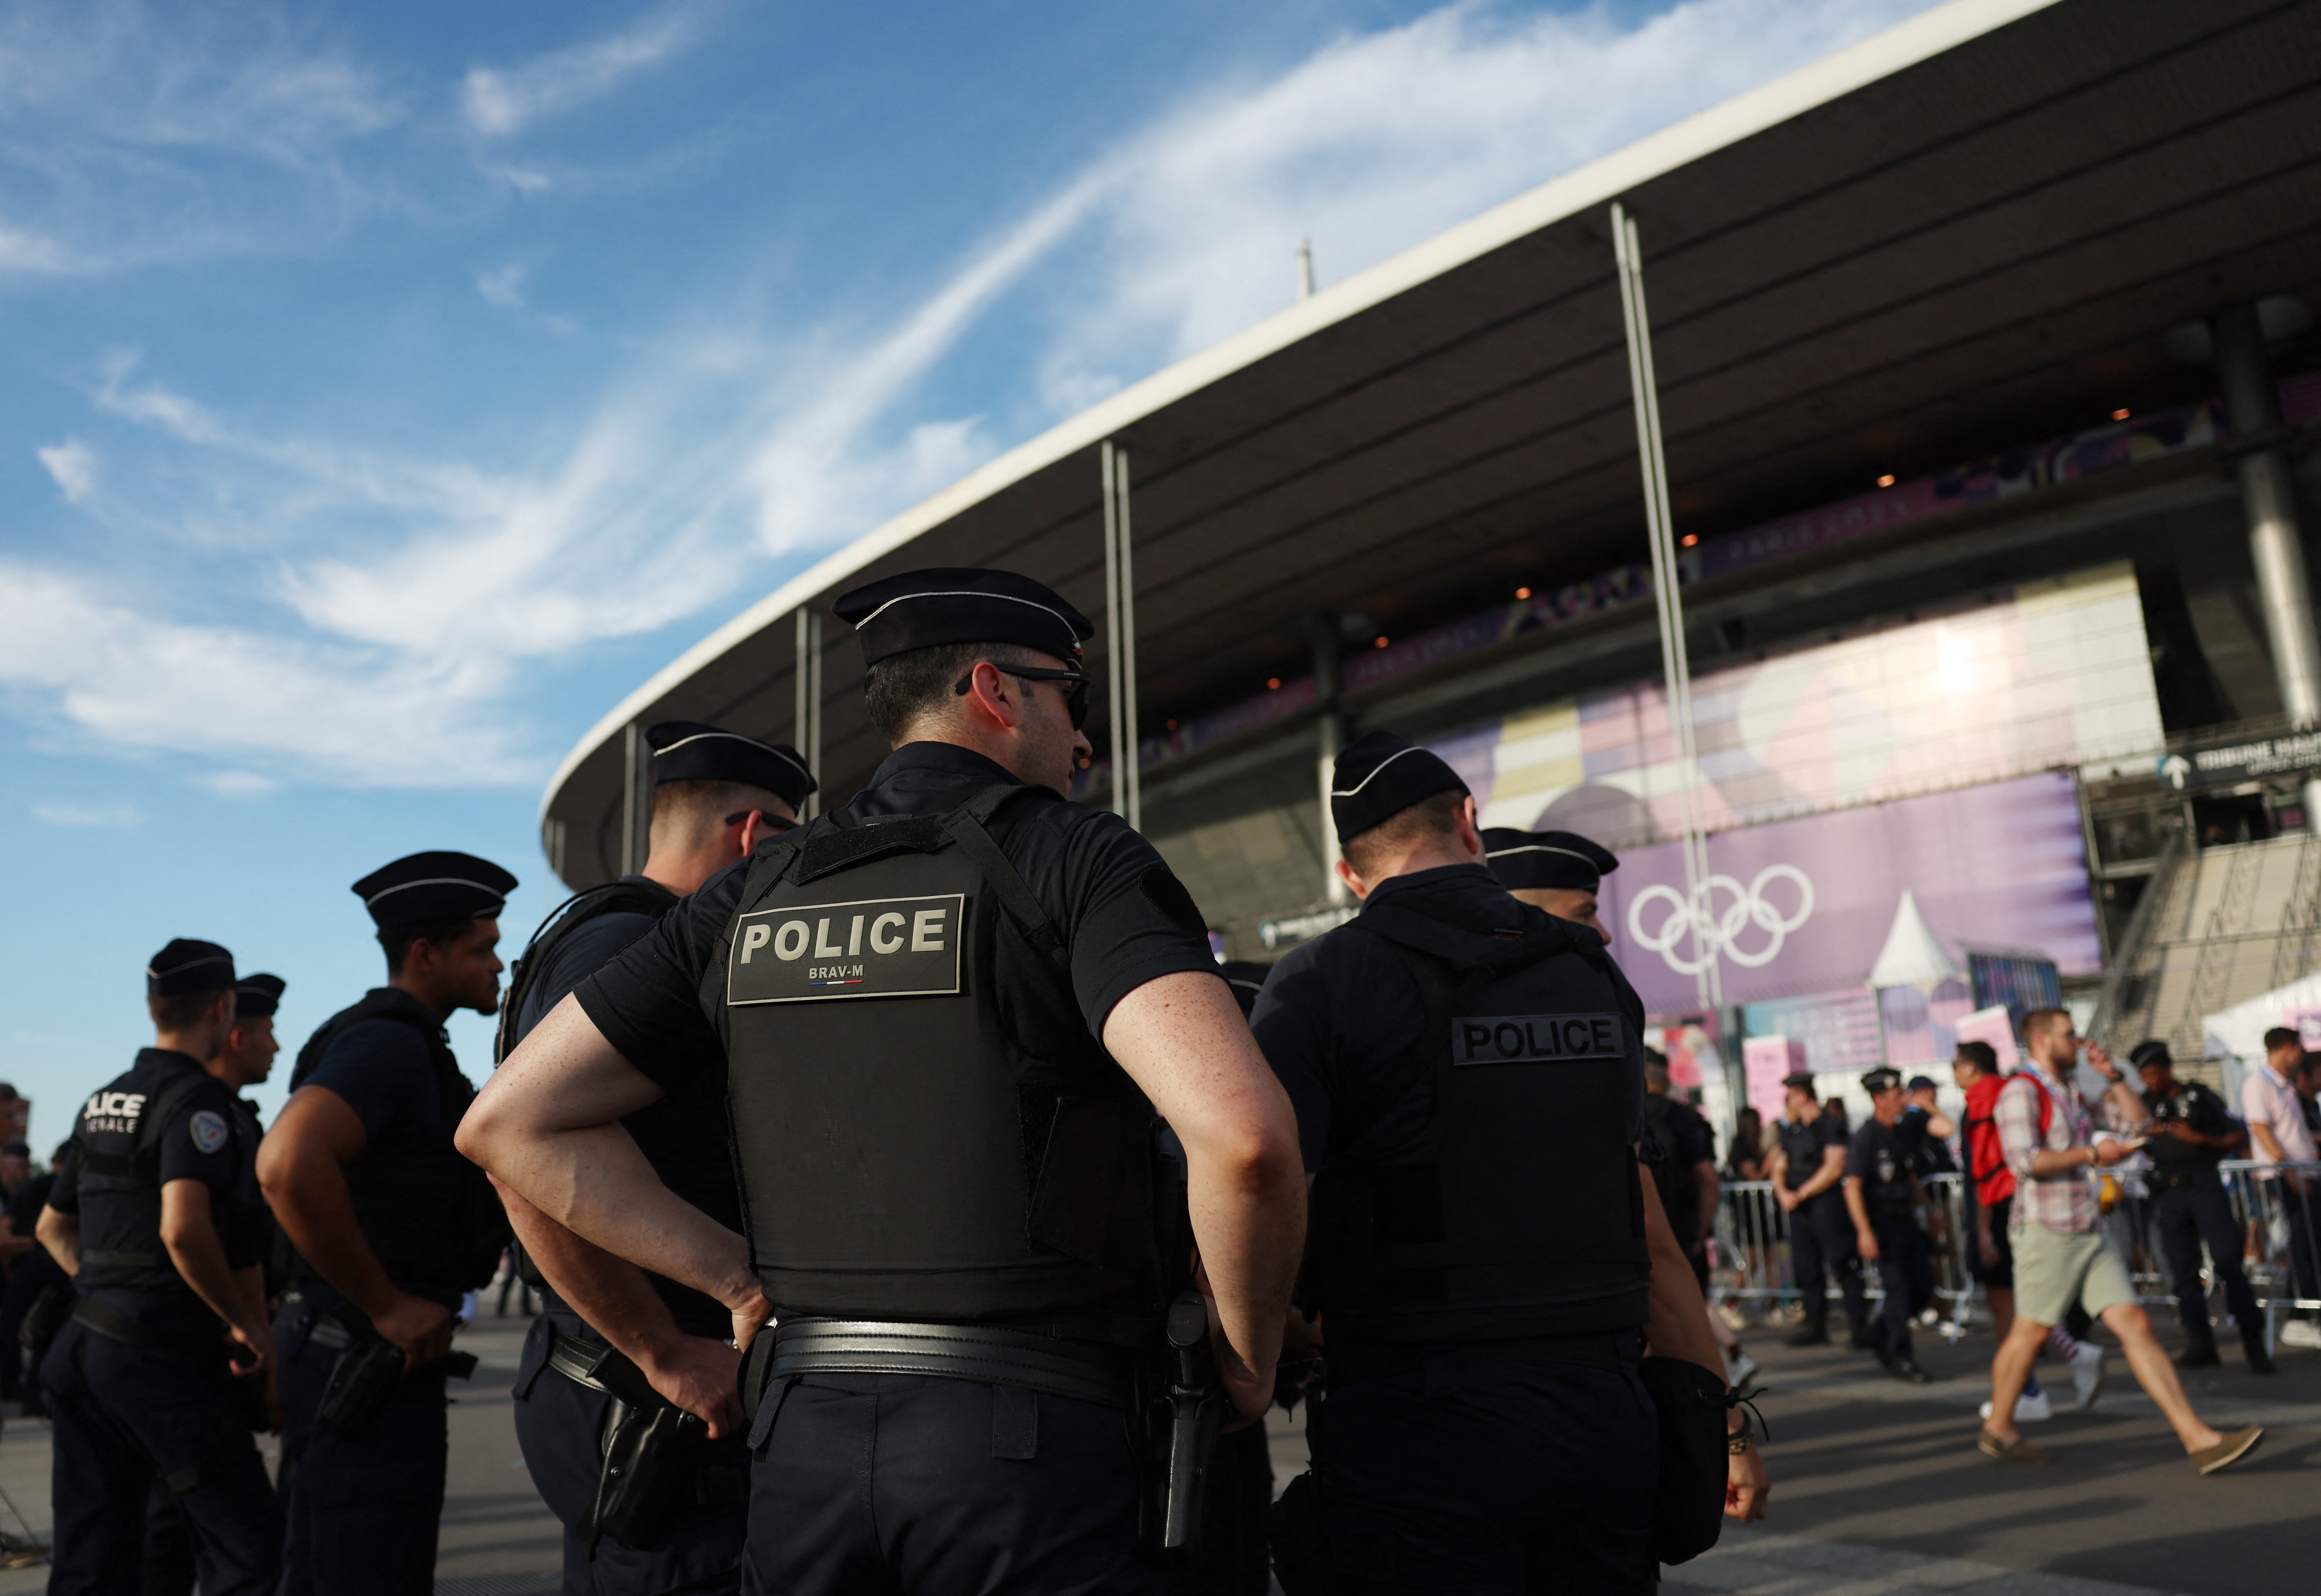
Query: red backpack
[1986, 1158]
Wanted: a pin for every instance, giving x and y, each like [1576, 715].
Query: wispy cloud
[72, 465]
[501, 101]
[109, 815]
[503, 285]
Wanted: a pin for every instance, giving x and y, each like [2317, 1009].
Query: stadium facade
[1988, 389]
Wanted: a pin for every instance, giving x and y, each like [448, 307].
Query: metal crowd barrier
[2276, 1208]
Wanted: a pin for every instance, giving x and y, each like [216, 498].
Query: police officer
[1883, 1196]
[170, 1315]
[1926, 1130]
[613, 1347]
[390, 1225]
[1557, 871]
[2191, 1132]
[952, 1008]
[1810, 1158]
[245, 1060]
[1486, 1259]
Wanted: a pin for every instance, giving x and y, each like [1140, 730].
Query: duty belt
[116, 1326]
[993, 1354]
[605, 1368]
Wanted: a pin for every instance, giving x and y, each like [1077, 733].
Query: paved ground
[1878, 1490]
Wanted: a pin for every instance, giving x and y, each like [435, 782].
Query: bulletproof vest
[1517, 1212]
[1801, 1147]
[1886, 1190]
[119, 1136]
[432, 1217]
[647, 898]
[924, 1126]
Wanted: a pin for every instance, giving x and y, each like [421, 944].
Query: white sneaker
[1738, 1367]
[2300, 1332]
[2087, 1374]
[2031, 1408]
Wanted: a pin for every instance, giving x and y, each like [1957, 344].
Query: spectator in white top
[2279, 1135]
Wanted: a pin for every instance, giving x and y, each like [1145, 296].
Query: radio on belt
[863, 948]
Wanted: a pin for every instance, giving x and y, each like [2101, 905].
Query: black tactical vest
[1801, 1148]
[432, 1217]
[647, 898]
[119, 1136]
[924, 1128]
[1518, 1213]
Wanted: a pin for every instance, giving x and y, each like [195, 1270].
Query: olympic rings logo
[1661, 921]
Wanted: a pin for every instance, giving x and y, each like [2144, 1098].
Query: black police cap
[1919, 1084]
[1379, 775]
[187, 966]
[689, 751]
[437, 885]
[1523, 860]
[257, 996]
[1881, 1080]
[2153, 1052]
[1802, 1080]
[962, 604]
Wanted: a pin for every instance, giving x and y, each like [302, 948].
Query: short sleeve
[64, 1194]
[383, 1070]
[1693, 1143]
[646, 1002]
[198, 1142]
[1861, 1156]
[588, 948]
[1128, 919]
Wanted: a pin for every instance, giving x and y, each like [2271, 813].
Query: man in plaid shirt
[2061, 1251]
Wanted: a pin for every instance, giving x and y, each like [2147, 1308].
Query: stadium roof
[1968, 223]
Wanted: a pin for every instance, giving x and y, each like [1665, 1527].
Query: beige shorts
[2055, 1268]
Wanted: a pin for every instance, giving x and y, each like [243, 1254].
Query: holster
[652, 1466]
[1688, 1502]
[46, 1316]
[368, 1372]
[1301, 1549]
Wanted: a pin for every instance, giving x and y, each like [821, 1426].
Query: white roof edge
[1906, 44]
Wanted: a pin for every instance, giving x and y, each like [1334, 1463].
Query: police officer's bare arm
[191, 1239]
[1182, 1040]
[60, 1234]
[548, 1127]
[617, 1301]
[302, 1170]
[1676, 1323]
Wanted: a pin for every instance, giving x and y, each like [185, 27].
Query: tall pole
[1676, 666]
[1120, 634]
[1330, 735]
[636, 797]
[806, 725]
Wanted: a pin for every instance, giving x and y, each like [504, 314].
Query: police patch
[209, 1130]
[1537, 1039]
[869, 947]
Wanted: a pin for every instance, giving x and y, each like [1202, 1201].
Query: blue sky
[387, 389]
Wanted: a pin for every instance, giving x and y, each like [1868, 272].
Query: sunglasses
[773, 822]
[1075, 696]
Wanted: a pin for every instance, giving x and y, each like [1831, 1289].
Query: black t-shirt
[1339, 1013]
[1802, 1150]
[1927, 1152]
[1878, 1161]
[683, 1135]
[1687, 1144]
[1123, 916]
[2198, 1109]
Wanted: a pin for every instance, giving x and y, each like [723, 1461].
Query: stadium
[1988, 387]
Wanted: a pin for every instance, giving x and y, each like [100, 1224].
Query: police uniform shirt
[197, 1144]
[1929, 1154]
[1802, 1149]
[1879, 1159]
[2198, 1109]
[381, 1068]
[685, 1133]
[1688, 1144]
[1342, 1010]
[1122, 914]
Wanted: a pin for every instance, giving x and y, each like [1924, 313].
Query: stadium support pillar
[1675, 663]
[636, 797]
[2267, 496]
[1330, 736]
[806, 724]
[1120, 636]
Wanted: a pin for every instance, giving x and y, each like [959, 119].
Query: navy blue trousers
[1906, 1269]
[883, 1484]
[2184, 1216]
[1495, 1478]
[1821, 1242]
[561, 1425]
[363, 1509]
[120, 1418]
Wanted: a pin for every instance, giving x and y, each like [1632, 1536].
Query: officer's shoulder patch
[209, 1130]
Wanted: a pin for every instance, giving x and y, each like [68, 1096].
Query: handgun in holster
[1197, 1409]
[368, 1372]
[653, 1450]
